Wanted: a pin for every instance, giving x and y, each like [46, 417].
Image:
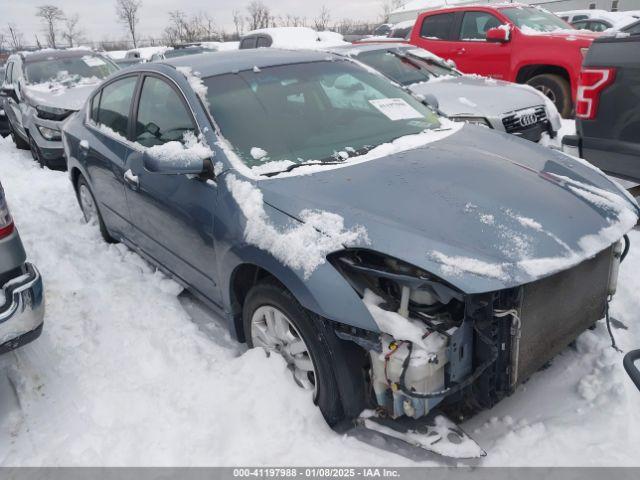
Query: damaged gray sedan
[403, 264]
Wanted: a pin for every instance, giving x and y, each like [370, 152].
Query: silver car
[500, 105]
[41, 89]
[21, 289]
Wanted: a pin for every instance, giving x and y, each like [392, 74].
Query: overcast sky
[99, 19]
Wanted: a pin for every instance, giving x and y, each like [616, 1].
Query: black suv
[608, 108]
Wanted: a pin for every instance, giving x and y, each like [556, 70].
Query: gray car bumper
[22, 314]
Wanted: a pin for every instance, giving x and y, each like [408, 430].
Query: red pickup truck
[513, 42]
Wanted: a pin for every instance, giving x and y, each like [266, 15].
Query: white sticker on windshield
[93, 61]
[396, 109]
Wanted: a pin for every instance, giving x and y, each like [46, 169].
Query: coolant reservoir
[425, 374]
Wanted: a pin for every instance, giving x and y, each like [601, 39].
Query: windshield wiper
[334, 159]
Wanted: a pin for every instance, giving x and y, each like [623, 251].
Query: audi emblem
[528, 119]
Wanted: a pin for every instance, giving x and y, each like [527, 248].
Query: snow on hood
[301, 38]
[481, 209]
[66, 91]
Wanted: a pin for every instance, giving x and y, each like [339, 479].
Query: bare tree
[127, 12]
[389, 6]
[259, 15]
[3, 40]
[72, 31]
[51, 16]
[321, 22]
[238, 22]
[16, 39]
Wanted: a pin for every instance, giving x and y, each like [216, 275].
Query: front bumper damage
[495, 343]
[22, 313]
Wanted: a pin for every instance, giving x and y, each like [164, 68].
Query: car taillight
[591, 83]
[6, 222]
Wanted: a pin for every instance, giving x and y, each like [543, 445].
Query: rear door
[104, 149]
[472, 52]
[436, 33]
[172, 214]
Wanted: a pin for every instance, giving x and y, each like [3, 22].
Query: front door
[172, 215]
[471, 51]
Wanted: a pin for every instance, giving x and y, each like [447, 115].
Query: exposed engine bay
[442, 348]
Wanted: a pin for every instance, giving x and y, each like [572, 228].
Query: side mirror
[630, 362]
[431, 101]
[9, 92]
[501, 34]
[157, 161]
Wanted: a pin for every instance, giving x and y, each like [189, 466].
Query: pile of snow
[145, 53]
[196, 83]
[301, 38]
[182, 153]
[302, 246]
[129, 373]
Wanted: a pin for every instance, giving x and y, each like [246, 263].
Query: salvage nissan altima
[402, 264]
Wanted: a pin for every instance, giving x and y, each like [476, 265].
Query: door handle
[131, 180]
[461, 51]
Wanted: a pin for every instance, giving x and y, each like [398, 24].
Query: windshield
[535, 19]
[404, 67]
[181, 52]
[312, 111]
[69, 70]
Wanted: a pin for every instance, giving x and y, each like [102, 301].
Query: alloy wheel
[88, 205]
[272, 330]
[547, 92]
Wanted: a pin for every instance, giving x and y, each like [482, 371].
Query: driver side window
[476, 24]
[162, 116]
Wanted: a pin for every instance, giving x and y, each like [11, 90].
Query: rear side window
[264, 42]
[476, 24]
[437, 26]
[598, 26]
[115, 102]
[248, 43]
[162, 115]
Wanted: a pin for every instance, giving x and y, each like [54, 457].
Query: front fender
[324, 292]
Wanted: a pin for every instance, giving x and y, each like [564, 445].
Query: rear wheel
[557, 89]
[17, 139]
[89, 208]
[273, 319]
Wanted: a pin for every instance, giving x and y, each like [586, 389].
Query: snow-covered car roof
[299, 37]
[217, 63]
[50, 53]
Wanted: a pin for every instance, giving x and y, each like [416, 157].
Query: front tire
[315, 357]
[557, 89]
[36, 154]
[89, 208]
[17, 139]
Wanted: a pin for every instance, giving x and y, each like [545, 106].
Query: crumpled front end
[438, 344]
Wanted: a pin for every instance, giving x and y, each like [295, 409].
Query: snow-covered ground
[129, 371]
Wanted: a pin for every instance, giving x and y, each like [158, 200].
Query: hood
[578, 38]
[52, 95]
[477, 96]
[482, 210]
